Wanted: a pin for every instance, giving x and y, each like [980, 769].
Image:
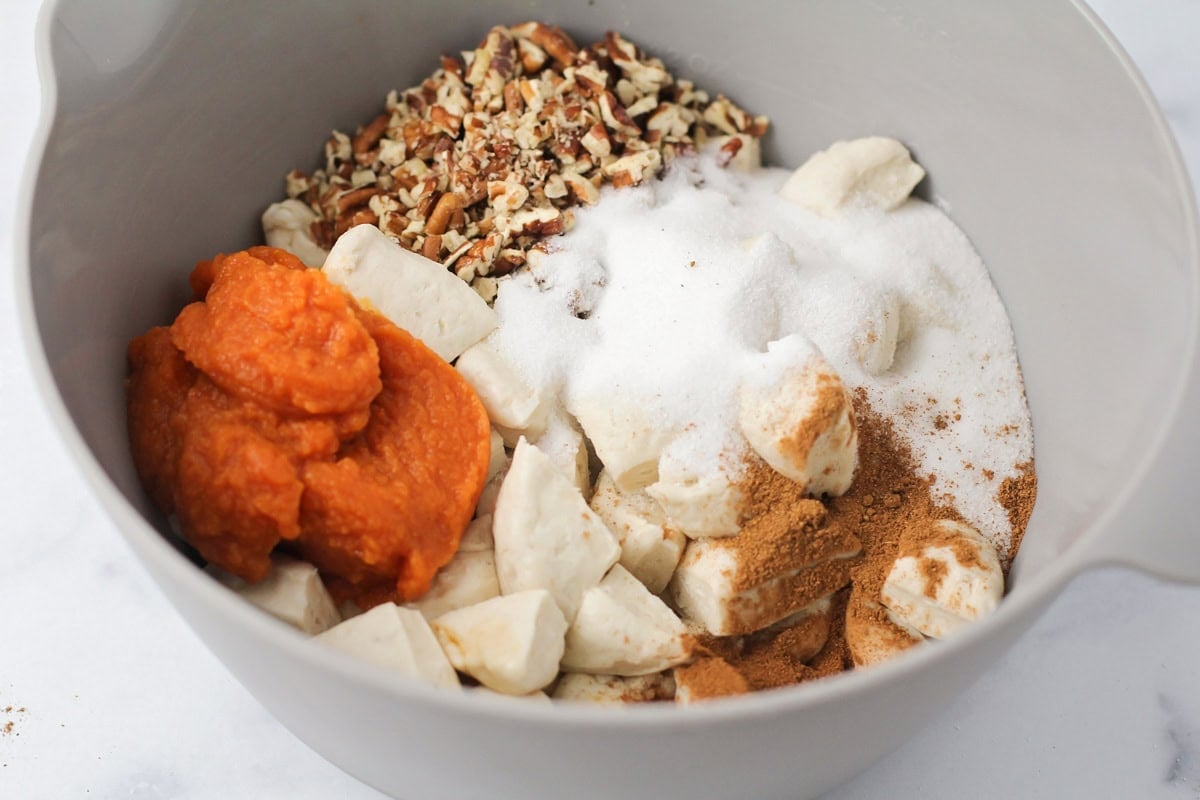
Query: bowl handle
[1158, 530]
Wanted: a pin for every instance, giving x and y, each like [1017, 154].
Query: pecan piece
[446, 122]
[370, 134]
[596, 141]
[354, 198]
[506, 195]
[533, 58]
[616, 117]
[452, 65]
[636, 166]
[432, 246]
[363, 216]
[552, 39]
[513, 102]
[296, 183]
[537, 222]
[582, 188]
[322, 233]
[439, 218]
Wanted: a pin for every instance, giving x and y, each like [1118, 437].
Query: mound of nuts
[486, 157]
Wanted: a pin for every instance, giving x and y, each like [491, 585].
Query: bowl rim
[172, 566]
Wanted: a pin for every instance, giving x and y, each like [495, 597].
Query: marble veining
[1184, 763]
[112, 696]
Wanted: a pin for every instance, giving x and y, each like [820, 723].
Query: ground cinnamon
[1017, 495]
[888, 509]
[709, 677]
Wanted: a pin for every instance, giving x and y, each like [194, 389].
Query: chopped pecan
[354, 198]
[296, 183]
[591, 78]
[506, 195]
[444, 121]
[363, 216]
[616, 117]
[322, 232]
[532, 57]
[513, 102]
[432, 246]
[638, 167]
[552, 39]
[537, 222]
[451, 65]
[485, 157]
[439, 218]
[596, 141]
[555, 188]
[370, 134]
[728, 150]
[583, 189]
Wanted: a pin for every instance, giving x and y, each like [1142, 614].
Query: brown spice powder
[775, 657]
[711, 677]
[889, 509]
[784, 529]
[870, 635]
[933, 571]
[886, 500]
[1018, 495]
[650, 692]
[788, 594]
[887, 470]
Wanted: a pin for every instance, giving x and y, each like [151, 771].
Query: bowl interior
[172, 134]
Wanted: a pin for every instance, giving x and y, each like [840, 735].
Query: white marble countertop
[105, 692]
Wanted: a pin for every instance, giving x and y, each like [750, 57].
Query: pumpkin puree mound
[275, 409]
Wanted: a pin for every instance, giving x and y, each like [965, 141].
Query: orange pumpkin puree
[276, 410]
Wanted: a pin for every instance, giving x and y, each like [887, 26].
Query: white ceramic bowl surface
[166, 130]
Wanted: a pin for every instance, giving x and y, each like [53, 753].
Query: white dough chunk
[546, 536]
[417, 294]
[397, 639]
[798, 417]
[622, 629]
[469, 578]
[288, 226]
[953, 579]
[512, 405]
[563, 442]
[498, 458]
[876, 172]
[511, 644]
[486, 504]
[717, 586]
[580, 687]
[649, 548]
[478, 536]
[292, 592]
[627, 441]
[701, 505]
[874, 341]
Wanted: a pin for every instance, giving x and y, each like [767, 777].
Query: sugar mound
[667, 295]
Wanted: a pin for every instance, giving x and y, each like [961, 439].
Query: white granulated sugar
[667, 294]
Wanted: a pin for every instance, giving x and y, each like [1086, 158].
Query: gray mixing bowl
[167, 127]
